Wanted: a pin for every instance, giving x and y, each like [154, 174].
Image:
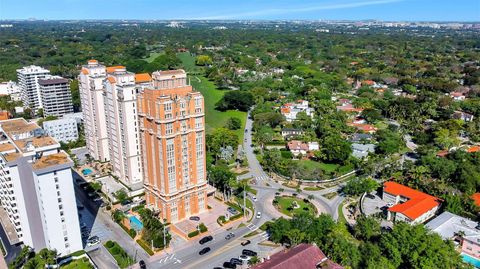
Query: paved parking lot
[372, 203]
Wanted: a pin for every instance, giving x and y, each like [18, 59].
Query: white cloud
[280, 11]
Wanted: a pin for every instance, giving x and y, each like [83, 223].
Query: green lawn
[285, 202]
[214, 118]
[328, 168]
[152, 56]
[119, 254]
[78, 264]
[188, 62]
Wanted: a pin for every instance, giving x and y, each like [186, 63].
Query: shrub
[194, 233]
[132, 233]
[203, 228]
[145, 247]
[115, 250]
[109, 244]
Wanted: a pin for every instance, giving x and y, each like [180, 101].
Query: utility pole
[244, 200]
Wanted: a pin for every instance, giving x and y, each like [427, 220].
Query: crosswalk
[264, 235]
[169, 258]
[252, 227]
[261, 178]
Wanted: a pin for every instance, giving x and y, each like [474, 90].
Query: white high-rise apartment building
[56, 97]
[38, 205]
[28, 77]
[122, 126]
[91, 86]
[109, 101]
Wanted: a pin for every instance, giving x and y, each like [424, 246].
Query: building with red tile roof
[476, 198]
[143, 78]
[349, 108]
[409, 205]
[303, 256]
[473, 149]
[363, 127]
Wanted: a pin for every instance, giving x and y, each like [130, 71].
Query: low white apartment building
[122, 126]
[11, 89]
[55, 96]
[36, 189]
[64, 130]
[28, 81]
[91, 86]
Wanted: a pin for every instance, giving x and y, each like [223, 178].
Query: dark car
[204, 251]
[205, 239]
[195, 218]
[244, 243]
[248, 252]
[126, 202]
[229, 265]
[230, 235]
[142, 264]
[236, 261]
[80, 207]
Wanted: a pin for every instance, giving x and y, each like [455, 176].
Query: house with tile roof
[303, 256]
[464, 231]
[290, 110]
[409, 205]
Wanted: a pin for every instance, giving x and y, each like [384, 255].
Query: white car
[259, 215]
[92, 241]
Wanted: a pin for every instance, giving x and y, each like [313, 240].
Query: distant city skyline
[386, 10]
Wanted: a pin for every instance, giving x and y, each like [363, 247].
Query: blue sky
[412, 10]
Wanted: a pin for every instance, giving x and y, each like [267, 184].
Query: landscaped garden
[83, 263]
[289, 205]
[119, 254]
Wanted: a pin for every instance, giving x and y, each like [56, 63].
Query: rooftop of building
[303, 256]
[52, 81]
[6, 147]
[12, 156]
[476, 198]
[111, 69]
[418, 202]
[447, 225]
[32, 69]
[19, 125]
[36, 142]
[142, 78]
[169, 72]
[51, 160]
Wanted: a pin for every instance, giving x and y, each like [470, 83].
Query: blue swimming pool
[87, 171]
[471, 260]
[135, 223]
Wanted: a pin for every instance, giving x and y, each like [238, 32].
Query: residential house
[361, 150]
[460, 115]
[363, 127]
[349, 108]
[462, 230]
[360, 137]
[457, 96]
[304, 256]
[473, 149]
[297, 147]
[290, 110]
[291, 132]
[409, 205]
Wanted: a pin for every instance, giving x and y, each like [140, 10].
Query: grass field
[152, 56]
[328, 168]
[78, 264]
[285, 202]
[214, 118]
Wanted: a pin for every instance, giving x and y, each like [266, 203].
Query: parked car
[142, 264]
[205, 239]
[244, 258]
[236, 261]
[92, 241]
[230, 235]
[259, 215]
[232, 211]
[194, 218]
[229, 265]
[244, 243]
[249, 252]
[126, 202]
[254, 198]
[204, 251]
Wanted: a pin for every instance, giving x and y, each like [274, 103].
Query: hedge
[203, 228]
[194, 233]
[145, 247]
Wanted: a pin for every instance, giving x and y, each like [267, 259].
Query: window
[167, 106]
[65, 239]
[198, 122]
[169, 128]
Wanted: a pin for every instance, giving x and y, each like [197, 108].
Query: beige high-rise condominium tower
[172, 131]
